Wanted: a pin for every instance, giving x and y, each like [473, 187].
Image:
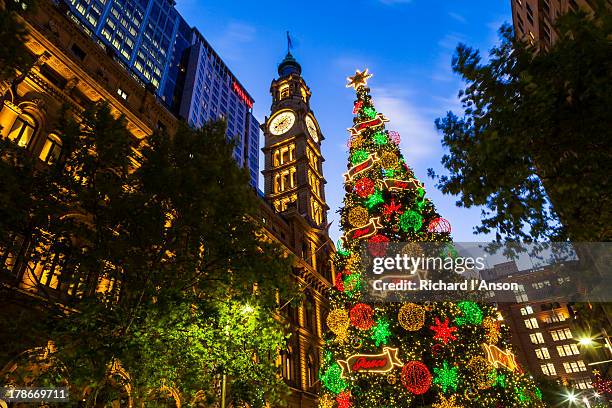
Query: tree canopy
[533, 144]
[160, 261]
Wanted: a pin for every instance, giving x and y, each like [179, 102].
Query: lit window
[548, 369]
[527, 310]
[531, 323]
[52, 149]
[122, 93]
[536, 338]
[23, 131]
[542, 353]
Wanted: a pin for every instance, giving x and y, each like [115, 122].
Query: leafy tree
[12, 36]
[532, 144]
[160, 260]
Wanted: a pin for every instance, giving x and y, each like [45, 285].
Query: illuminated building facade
[541, 323]
[153, 41]
[534, 19]
[73, 70]
[296, 214]
[211, 91]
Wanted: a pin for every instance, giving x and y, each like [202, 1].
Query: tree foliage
[160, 260]
[532, 146]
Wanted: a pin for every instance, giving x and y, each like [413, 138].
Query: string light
[358, 216]
[364, 187]
[361, 316]
[471, 313]
[411, 317]
[447, 403]
[410, 220]
[416, 377]
[359, 156]
[446, 377]
[482, 372]
[381, 332]
[374, 199]
[388, 160]
[332, 379]
[338, 321]
[444, 333]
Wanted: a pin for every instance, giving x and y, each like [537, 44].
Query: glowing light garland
[446, 377]
[411, 317]
[444, 333]
[416, 377]
[371, 363]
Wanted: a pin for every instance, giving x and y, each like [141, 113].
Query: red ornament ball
[416, 377]
[361, 316]
[377, 245]
[344, 400]
[439, 225]
[364, 187]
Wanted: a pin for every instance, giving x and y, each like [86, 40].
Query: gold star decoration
[447, 403]
[359, 79]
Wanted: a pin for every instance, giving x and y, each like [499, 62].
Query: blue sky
[407, 44]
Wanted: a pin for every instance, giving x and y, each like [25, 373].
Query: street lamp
[571, 397]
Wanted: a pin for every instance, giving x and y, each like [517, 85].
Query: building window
[574, 367]
[561, 334]
[548, 369]
[542, 353]
[568, 350]
[284, 91]
[527, 310]
[311, 368]
[52, 149]
[287, 364]
[122, 93]
[23, 131]
[531, 323]
[536, 338]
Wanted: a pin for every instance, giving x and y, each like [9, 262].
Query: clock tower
[293, 172]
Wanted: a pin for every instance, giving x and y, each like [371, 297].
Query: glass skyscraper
[153, 41]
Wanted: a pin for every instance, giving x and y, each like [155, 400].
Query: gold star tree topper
[359, 79]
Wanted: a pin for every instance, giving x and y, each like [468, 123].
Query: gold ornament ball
[353, 263]
[326, 401]
[358, 216]
[481, 371]
[357, 342]
[388, 160]
[411, 317]
[447, 402]
[412, 250]
[392, 379]
[357, 142]
[491, 326]
[338, 321]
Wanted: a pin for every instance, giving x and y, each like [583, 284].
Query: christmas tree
[439, 354]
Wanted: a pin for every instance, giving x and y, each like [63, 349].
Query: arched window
[23, 131]
[287, 364]
[52, 149]
[311, 370]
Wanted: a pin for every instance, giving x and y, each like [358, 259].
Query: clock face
[282, 122]
[312, 129]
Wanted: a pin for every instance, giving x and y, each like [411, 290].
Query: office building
[164, 54]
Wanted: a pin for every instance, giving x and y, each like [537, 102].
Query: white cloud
[231, 41]
[457, 17]
[419, 139]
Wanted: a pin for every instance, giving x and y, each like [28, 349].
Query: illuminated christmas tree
[405, 354]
